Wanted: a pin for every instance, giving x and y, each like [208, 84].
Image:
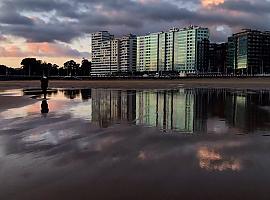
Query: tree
[31, 66]
[46, 69]
[54, 71]
[85, 68]
[62, 71]
[3, 69]
[72, 68]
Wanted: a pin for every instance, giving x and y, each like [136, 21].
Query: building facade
[101, 52]
[183, 50]
[218, 54]
[148, 53]
[191, 43]
[128, 53]
[115, 55]
[249, 52]
[111, 55]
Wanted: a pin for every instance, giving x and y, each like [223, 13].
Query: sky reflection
[182, 142]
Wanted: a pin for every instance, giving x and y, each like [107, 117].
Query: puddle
[136, 144]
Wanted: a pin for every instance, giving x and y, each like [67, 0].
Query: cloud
[40, 50]
[51, 21]
[209, 3]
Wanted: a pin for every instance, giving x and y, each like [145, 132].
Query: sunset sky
[58, 30]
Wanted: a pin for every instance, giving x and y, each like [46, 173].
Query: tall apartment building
[101, 52]
[110, 55]
[182, 50]
[147, 52]
[115, 55]
[249, 52]
[189, 52]
[166, 50]
[128, 52]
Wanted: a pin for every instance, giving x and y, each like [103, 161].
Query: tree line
[34, 67]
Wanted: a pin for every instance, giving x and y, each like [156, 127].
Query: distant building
[115, 55]
[110, 55]
[147, 53]
[167, 50]
[203, 56]
[181, 50]
[218, 54]
[249, 52]
[128, 53]
[101, 52]
[191, 43]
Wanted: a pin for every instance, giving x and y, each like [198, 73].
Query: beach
[235, 83]
[143, 139]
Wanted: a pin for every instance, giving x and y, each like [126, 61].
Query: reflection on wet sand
[44, 107]
[110, 144]
[216, 111]
[211, 160]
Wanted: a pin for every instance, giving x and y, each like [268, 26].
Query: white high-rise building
[110, 55]
[101, 52]
[115, 55]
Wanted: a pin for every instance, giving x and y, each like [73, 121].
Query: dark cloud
[258, 7]
[49, 21]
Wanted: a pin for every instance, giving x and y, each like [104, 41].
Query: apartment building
[128, 52]
[148, 53]
[111, 55]
[249, 52]
[190, 46]
[182, 50]
[101, 52]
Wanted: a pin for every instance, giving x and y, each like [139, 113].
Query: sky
[59, 30]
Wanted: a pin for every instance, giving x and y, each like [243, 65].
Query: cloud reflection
[212, 160]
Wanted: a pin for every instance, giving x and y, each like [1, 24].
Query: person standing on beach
[44, 85]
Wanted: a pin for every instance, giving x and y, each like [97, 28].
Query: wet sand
[7, 102]
[249, 83]
[62, 156]
[127, 162]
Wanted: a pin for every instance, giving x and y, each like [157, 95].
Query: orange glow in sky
[210, 3]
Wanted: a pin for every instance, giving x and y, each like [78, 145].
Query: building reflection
[112, 106]
[185, 110]
[166, 109]
[251, 110]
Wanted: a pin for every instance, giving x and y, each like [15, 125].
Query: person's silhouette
[44, 107]
[44, 85]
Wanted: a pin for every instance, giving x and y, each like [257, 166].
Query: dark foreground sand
[64, 156]
[250, 83]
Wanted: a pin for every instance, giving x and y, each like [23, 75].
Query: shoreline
[248, 83]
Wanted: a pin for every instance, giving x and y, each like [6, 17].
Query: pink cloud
[44, 49]
[11, 51]
[3, 38]
[210, 3]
